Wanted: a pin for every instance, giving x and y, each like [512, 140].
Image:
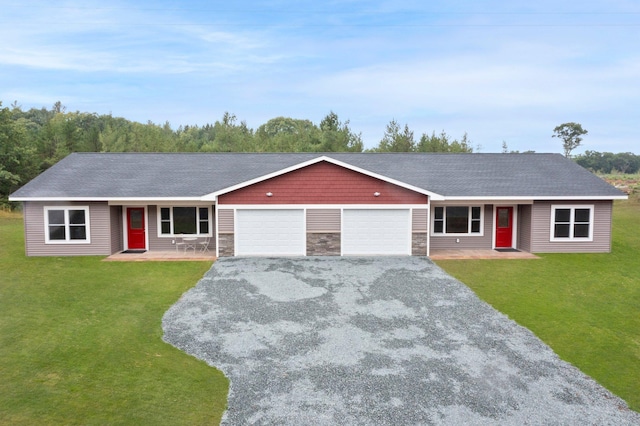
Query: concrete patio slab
[161, 256]
[479, 254]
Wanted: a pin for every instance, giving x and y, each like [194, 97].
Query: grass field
[585, 306]
[80, 342]
[80, 339]
[629, 183]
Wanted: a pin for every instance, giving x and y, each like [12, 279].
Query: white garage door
[373, 232]
[270, 233]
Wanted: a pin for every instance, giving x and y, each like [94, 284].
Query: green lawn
[585, 306]
[80, 342]
[80, 339]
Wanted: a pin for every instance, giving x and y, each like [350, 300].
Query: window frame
[67, 225]
[198, 221]
[572, 222]
[470, 221]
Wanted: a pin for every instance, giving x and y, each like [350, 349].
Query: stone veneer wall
[227, 247]
[323, 244]
[419, 244]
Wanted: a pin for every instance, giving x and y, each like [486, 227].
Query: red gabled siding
[323, 183]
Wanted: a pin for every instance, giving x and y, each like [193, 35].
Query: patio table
[190, 243]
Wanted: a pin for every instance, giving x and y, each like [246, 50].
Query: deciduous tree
[571, 135]
[17, 156]
[285, 134]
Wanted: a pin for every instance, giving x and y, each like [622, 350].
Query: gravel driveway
[374, 341]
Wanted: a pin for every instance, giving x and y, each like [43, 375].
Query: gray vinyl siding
[467, 242]
[26, 226]
[225, 221]
[323, 220]
[155, 242]
[99, 223]
[165, 243]
[541, 225]
[117, 243]
[419, 220]
[524, 227]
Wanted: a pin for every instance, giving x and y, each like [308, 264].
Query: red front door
[504, 227]
[135, 228]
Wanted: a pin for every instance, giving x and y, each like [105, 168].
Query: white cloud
[424, 64]
[124, 40]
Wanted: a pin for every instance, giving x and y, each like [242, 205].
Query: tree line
[608, 162]
[598, 162]
[33, 140]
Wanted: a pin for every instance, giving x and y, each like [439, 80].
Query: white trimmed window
[458, 220]
[184, 220]
[66, 225]
[572, 223]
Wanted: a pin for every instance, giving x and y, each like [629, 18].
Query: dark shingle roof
[169, 175]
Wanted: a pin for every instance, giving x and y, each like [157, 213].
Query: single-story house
[307, 204]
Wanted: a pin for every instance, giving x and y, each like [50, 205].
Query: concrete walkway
[479, 254]
[172, 255]
[162, 256]
[374, 341]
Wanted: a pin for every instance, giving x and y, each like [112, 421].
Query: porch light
[376, 194]
[269, 194]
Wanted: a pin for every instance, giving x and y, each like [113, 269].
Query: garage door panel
[376, 232]
[270, 233]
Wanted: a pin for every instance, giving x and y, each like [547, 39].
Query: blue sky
[500, 71]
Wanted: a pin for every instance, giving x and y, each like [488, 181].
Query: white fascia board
[154, 200]
[86, 199]
[539, 198]
[213, 196]
[321, 206]
[481, 200]
[110, 200]
[489, 200]
[599, 198]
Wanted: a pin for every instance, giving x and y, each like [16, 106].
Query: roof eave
[537, 197]
[104, 199]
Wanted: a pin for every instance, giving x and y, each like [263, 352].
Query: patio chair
[204, 245]
[190, 242]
